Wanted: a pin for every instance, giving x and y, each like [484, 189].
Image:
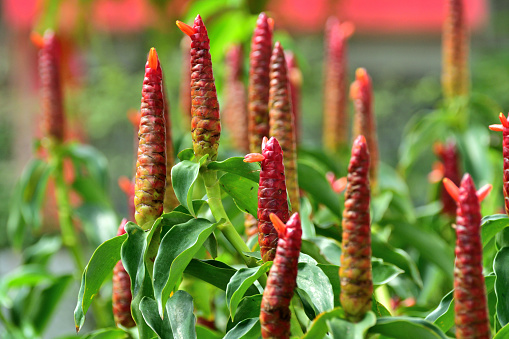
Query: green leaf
[203, 332]
[343, 329]
[99, 267]
[183, 176]
[503, 333]
[133, 255]
[312, 280]
[491, 225]
[240, 282]
[93, 160]
[243, 191]
[383, 272]
[246, 329]
[501, 269]
[108, 333]
[48, 301]
[314, 182]
[161, 327]
[42, 250]
[26, 275]
[319, 328]
[308, 228]
[330, 249]
[443, 315]
[186, 154]
[407, 328]
[398, 257]
[177, 249]
[99, 223]
[180, 312]
[380, 203]
[236, 165]
[215, 273]
[249, 307]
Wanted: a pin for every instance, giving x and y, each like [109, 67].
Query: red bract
[205, 124]
[448, 155]
[151, 164]
[235, 108]
[272, 196]
[281, 121]
[52, 112]
[455, 77]
[355, 270]
[122, 291]
[258, 97]
[361, 93]
[275, 312]
[335, 119]
[469, 290]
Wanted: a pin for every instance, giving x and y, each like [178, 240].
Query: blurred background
[105, 43]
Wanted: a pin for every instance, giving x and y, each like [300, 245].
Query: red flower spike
[122, 291]
[52, 111]
[455, 73]
[37, 40]
[282, 126]
[258, 91]
[355, 269]
[504, 128]
[470, 307]
[272, 198]
[205, 123]
[186, 28]
[336, 116]
[364, 121]
[151, 163]
[295, 78]
[275, 311]
[449, 157]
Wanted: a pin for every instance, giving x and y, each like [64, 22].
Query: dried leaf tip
[278, 224]
[189, 30]
[254, 157]
[37, 40]
[153, 60]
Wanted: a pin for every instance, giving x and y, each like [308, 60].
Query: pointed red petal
[264, 142]
[339, 185]
[152, 58]
[278, 224]
[483, 192]
[503, 120]
[37, 39]
[254, 157]
[497, 128]
[189, 30]
[451, 188]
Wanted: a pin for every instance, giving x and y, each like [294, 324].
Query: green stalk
[69, 236]
[217, 209]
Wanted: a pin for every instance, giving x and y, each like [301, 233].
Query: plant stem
[217, 209]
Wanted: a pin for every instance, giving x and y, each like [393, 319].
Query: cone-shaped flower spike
[281, 122]
[335, 119]
[355, 270]
[361, 93]
[449, 157]
[470, 307]
[205, 124]
[52, 115]
[258, 91]
[122, 291]
[151, 165]
[272, 196]
[504, 128]
[275, 312]
[455, 74]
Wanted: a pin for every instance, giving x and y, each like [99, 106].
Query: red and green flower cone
[151, 165]
[355, 271]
